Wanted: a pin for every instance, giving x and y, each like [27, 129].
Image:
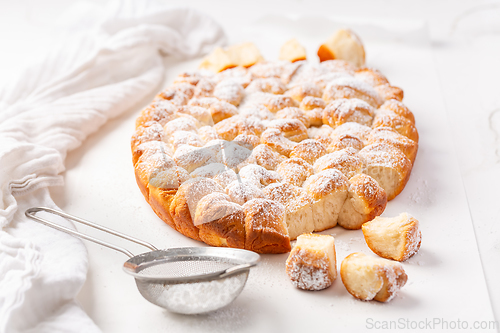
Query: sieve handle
[31, 213]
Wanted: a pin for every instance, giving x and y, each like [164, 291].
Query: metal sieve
[189, 280]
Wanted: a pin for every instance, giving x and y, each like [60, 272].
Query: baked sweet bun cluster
[251, 154]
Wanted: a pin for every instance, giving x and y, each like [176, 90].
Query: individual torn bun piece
[292, 51]
[388, 166]
[245, 55]
[265, 227]
[328, 189]
[368, 278]
[312, 264]
[344, 44]
[397, 238]
[220, 221]
[299, 214]
[365, 200]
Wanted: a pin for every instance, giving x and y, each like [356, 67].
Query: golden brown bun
[270, 85]
[207, 134]
[348, 87]
[292, 129]
[179, 93]
[398, 108]
[239, 74]
[275, 139]
[248, 141]
[242, 191]
[222, 110]
[266, 157]
[311, 103]
[344, 141]
[278, 102]
[397, 238]
[365, 200]
[258, 175]
[151, 131]
[371, 76]
[344, 110]
[346, 161]
[368, 278]
[150, 163]
[388, 166]
[294, 113]
[220, 221]
[294, 171]
[299, 215]
[230, 91]
[389, 136]
[328, 189]
[321, 133]
[354, 129]
[265, 226]
[245, 55]
[188, 77]
[388, 92]
[185, 201]
[303, 90]
[150, 147]
[309, 150]
[311, 264]
[160, 111]
[227, 129]
[343, 44]
[292, 51]
[205, 88]
[400, 124]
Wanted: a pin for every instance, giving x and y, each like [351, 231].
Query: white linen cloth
[112, 60]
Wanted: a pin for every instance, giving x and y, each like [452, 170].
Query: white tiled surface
[466, 43]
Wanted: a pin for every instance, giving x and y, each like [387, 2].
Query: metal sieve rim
[243, 260]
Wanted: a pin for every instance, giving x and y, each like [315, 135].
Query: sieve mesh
[186, 268]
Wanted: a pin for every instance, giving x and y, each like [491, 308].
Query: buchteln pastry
[292, 51]
[311, 264]
[343, 44]
[397, 238]
[369, 278]
[251, 153]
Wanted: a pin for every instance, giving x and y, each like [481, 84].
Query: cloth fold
[110, 60]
